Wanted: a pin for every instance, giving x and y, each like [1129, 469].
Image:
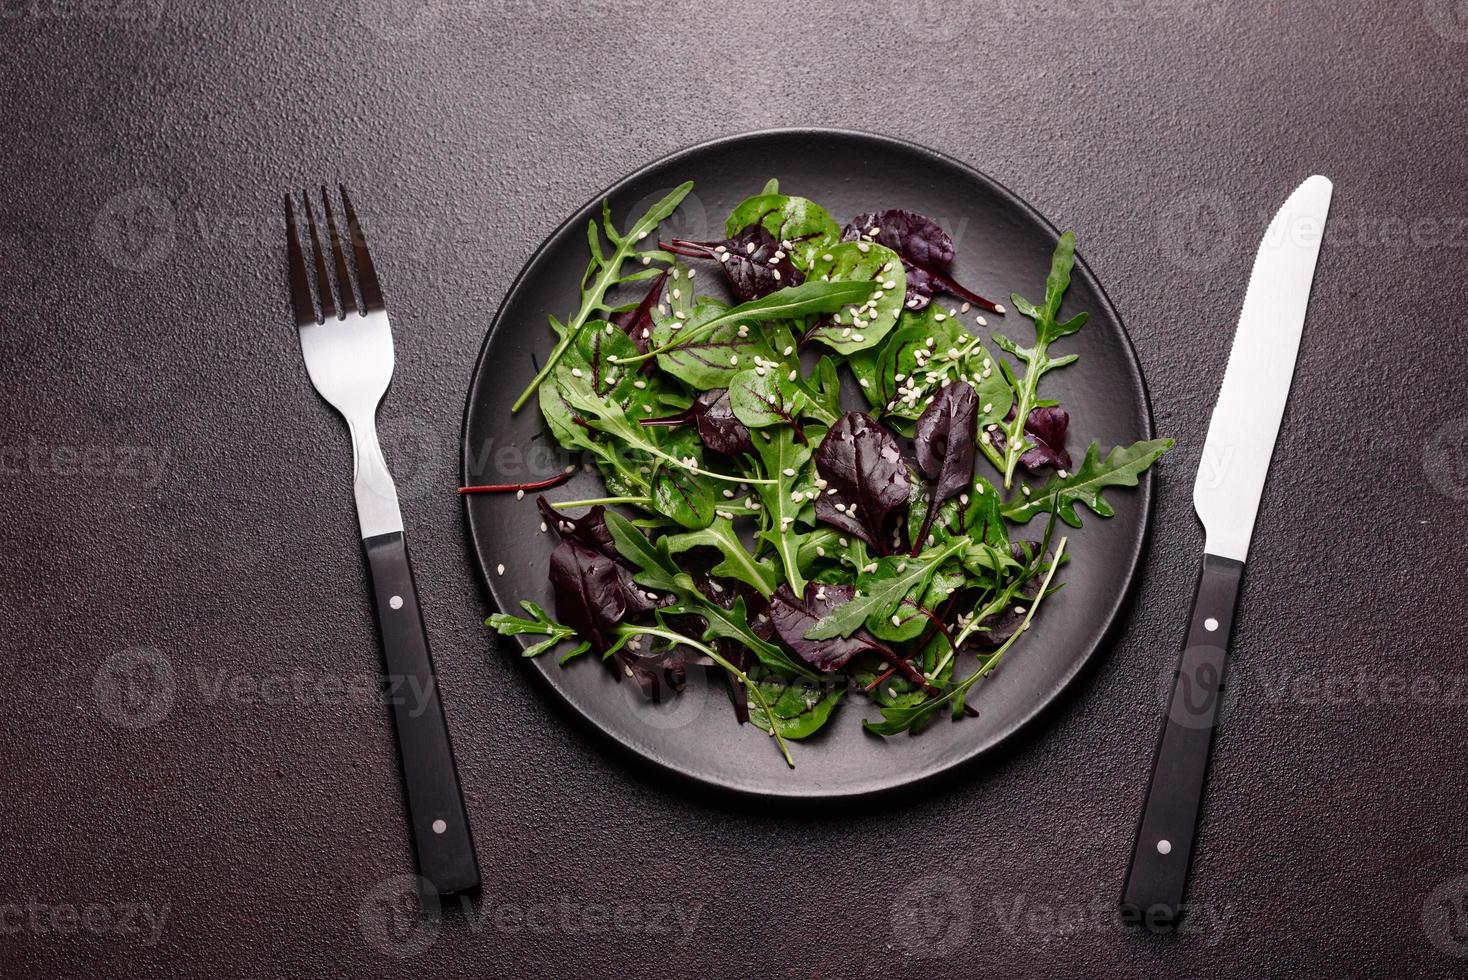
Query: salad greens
[808, 552]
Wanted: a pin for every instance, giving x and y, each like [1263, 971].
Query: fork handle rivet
[396, 602]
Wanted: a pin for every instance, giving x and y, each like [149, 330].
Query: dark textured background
[178, 528]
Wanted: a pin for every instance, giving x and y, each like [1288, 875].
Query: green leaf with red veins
[860, 325]
[761, 398]
[804, 224]
[708, 360]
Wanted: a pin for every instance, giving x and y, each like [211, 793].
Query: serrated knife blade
[1261, 364]
[1226, 495]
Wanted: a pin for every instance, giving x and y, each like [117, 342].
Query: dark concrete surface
[187, 789]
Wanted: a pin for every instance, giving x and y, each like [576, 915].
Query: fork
[349, 356]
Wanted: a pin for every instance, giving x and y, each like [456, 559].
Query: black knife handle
[440, 824]
[1163, 849]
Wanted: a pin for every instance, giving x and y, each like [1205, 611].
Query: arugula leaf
[785, 462]
[656, 568]
[880, 592]
[738, 563]
[860, 325]
[540, 624]
[789, 303]
[899, 719]
[604, 273]
[1037, 359]
[1121, 468]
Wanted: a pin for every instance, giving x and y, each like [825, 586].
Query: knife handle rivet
[1164, 847]
[397, 603]
[1210, 624]
[439, 826]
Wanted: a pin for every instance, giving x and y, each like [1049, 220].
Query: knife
[1226, 494]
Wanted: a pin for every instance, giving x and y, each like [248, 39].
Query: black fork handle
[441, 835]
[1163, 850]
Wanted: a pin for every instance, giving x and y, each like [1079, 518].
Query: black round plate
[1003, 245]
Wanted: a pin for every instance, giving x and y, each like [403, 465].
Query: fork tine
[301, 295]
[343, 277]
[328, 303]
[366, 273]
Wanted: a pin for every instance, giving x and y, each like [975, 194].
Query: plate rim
[1003, 739]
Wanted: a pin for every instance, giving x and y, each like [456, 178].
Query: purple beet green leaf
[793, 617]
[945, 441]
[752, 260]
[1045, 428]
[637, 322]
[862, 463]
[925, 248]
[717, 426]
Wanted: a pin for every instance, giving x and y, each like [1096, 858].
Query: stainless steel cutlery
[348, 348]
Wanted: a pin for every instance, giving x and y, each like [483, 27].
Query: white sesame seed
[723, 256]
[843, 542]
[691, 272]
[988, 407]
[999, 308]
[1024, 490]
[733, 358]
[726, 515]
[965, 308]
[543, 528]
[841, 508]
[820, 551]
[519, 494]
[896, 620]
[1062, 474]
[870, 568]
[864, 382]
[647, 260]
[749, 249]
[864, 247]
[793, 375]
[575, 372]
[788, 471]
[827, 257]
[499, 569]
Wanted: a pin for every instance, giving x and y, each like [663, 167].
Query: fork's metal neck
[377, 498]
